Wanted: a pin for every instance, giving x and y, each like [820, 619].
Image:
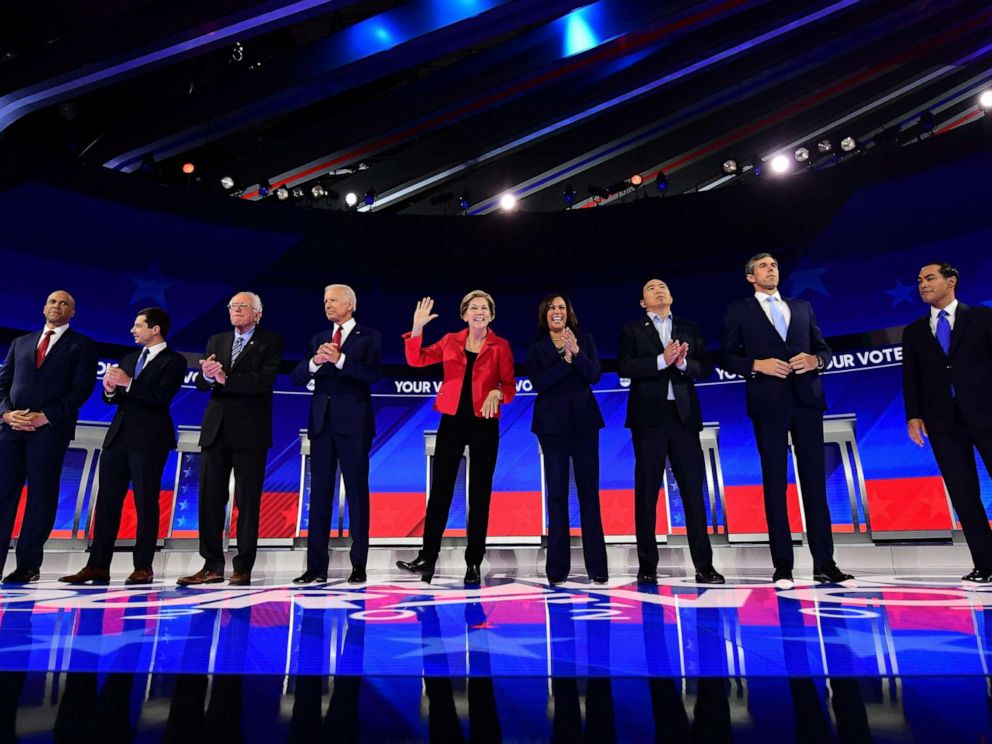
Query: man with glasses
[240, 372]
[45, 379]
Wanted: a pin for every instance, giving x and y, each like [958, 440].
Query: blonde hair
[475, 293]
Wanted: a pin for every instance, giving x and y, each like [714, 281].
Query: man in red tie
[45, 379]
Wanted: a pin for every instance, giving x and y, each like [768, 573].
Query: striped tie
[239, 346]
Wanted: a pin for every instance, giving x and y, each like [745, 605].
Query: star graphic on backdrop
[901, 293]
[183, 505]
[807, 279]
[183, 488]
[187, 472]
[180, 521]
[150, 286]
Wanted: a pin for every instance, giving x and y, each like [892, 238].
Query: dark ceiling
[429, 101]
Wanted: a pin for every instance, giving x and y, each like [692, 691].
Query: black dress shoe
[647, 577]
[22, 576]
[831, 575]
[709, 576]
[357, 575]
[556, 580]
[473, 575]
[310, 577]
[978, 576]
[599, 579]
[419, 565]
[783, 575]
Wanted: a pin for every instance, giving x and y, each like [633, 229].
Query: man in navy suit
[342, 364]
[662, 355]
[776, 345]
[946, 368]
[136, 447]
[47, 377]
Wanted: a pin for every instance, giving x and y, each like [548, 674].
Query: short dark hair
[946, 270]
[571, 321]
[749, 266]
[156, 316]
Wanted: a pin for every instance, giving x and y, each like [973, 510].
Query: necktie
[239, 345]
[141, 362]
[944, 331]
[42, 350]
[337, 337]
[778, 320]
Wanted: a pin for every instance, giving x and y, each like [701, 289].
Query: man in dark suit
[240, 372]
[45, 379]
[776, 345]
[135, 448]
[343, 362]
[662, 355]
[946, 368]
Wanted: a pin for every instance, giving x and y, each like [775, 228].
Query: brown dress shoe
[140, 576]
[203, 576]
[240, 578]
[88, 574]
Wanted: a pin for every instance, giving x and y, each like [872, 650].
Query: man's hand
[679, 361]
[118, 377]
[213, 369]
[19, 420]
[917, 430]
[333, 354]
[490, 406]
[772, 367]
[802, 363]
[323, 355]
[672, 351]
[38, 419]
[109, 386]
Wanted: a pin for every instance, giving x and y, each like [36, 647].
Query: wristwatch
[819, 363]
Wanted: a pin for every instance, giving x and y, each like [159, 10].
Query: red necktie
[337, 337]
[42, 350]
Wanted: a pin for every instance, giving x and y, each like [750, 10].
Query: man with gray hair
[343, 361]
[239, 370]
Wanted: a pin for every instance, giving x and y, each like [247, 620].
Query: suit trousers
[328, 452]
[120, 467]
[652, 447]
[771, 432]
[39, 462]
[216, 463]
[582, 448]
[955, 454]
[482, 438]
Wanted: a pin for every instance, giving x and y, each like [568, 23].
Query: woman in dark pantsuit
[478, 378]
[562, 364]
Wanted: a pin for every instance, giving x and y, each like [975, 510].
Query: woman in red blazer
[478, 378]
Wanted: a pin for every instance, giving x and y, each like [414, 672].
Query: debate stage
[903, 654]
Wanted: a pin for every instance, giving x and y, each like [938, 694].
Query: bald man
[46, 378]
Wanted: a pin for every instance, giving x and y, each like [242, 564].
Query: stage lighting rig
[730, 167]
[661, 183]
[568, 194]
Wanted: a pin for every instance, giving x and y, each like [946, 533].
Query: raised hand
[571, 342]
[422, 315]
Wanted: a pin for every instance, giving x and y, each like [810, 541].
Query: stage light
[636, 180]
[227, 182]
[824, 146]
[508, 202]
[985, 99]
[263, 187]
[849, 144]
[297, 193]
[730, 167]
[369, 197]
[569, 195]
[781, 164]
[188, 168]
[661, 182]
[757, 165]
[318, 191]
[598, 192]
[464, 201]
[282, 193]
[802, 154]
[351, 198]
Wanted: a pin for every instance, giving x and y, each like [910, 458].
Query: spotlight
[263, 187]
[318, 191]
[730, 167]
[369, 197]
[849, 144]
[599, 192]
[781, 164]
[464, 201]
[985, 99]
[824, 146]
[351, 198]
[636, 180]
[282, 193]
[508, 202]
[569, 195]
[297, 193]
[757, 165]
[802, 154]
[661, 182]
[188, 168]
[227, 182]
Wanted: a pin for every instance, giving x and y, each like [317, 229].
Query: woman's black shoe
[472, 574]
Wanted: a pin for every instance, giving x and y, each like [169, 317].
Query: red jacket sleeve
[507, 380]
[418, 355]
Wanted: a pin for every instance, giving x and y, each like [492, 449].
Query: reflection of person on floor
[220, 722]
[89, 713]
[341, 722]
[600, 720]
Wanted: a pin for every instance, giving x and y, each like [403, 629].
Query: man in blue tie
[946, 368]
[775, 344]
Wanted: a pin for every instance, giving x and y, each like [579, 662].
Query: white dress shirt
[346, 329]
[153, 351]
[783, 307]
[664, 328]
[951, 311]
[58, 333]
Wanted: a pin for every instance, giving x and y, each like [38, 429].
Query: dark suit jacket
[749, 335]
[565, 402]
[342, 398]
[142, 421]
[637, 358]
[58, 389]
[244, 403]
[927, 374]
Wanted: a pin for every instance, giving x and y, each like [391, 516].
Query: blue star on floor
[455, 645]
[901, 293]
[807, 279]
[99, 644]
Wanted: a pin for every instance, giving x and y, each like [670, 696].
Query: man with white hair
[343, 362]
[239, 371]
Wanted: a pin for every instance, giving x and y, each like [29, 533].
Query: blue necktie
[141, 362]
[944, 331]
[239, 345]
[778, 320]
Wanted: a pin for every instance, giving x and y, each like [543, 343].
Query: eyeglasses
[239, 306]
